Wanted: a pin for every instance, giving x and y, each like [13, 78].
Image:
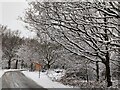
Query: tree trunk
[22, 64]
[9, 64]
[97, 70]
[16, 65]
[31, 67]
[26, 66]
[48, 66]
[87, 73]
[107, 56]
[108, 75]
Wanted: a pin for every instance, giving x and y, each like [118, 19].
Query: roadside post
[39, 70]
[40, 67]
[39, 73]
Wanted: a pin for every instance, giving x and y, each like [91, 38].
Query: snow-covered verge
[44, 79]
[73, 78]
[72, 81]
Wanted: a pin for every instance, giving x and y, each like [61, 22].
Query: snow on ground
[44, 80]
[1, 73]
[55, 74]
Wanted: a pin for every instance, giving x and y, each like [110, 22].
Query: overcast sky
[9, 12]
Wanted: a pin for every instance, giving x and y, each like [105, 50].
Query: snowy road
[16, 79]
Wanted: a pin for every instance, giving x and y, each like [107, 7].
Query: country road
[16, 79]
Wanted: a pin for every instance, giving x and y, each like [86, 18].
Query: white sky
[9, 12]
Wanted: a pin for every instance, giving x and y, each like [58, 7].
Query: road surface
[16, 79]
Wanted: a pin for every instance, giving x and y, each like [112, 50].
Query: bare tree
[10, 45]
[2, 29]
[113, 8]
[79, 27]
[49, 53]
[28, 52]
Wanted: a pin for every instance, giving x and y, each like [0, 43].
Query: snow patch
[55, 74]
[44, 80]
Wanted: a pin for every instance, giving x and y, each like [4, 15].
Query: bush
[75, 76]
